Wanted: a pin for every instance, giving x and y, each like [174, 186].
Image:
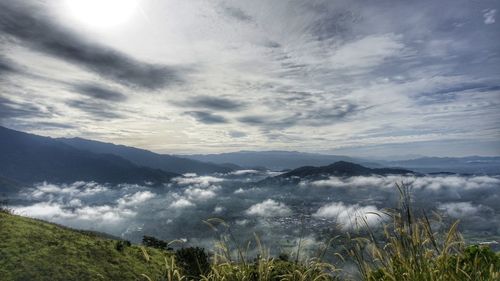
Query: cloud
[197, 181]
[99, 92]
[213, 103]
[269, 208]
[10, 108]
[207, 117]
[489, 16]
[136, 198]
[74, 190]
[237, 134]
[31, 24]
[367, 52]
[244, 172]
[181, 203]
[7, 66]
[459, 209]
[178, 210]
[350, 216]
[235, 13]
[95, 108]
[431, 183]
[199, 194]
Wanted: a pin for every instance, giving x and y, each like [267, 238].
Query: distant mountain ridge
[150, 159]
[286, 160]
[276, 160]
[338, 169]
[28, 158]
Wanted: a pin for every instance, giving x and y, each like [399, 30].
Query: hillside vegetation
[36, 250]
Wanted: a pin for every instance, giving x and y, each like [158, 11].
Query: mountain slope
[147, 158]
[30, 158]
[342, 168]
[36, 250]
[338, 169]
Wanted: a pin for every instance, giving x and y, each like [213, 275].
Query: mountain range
[287, 160]
[277, 160]
[27, 159]
[150, 159]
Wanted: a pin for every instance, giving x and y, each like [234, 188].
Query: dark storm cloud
[97, 109]
[237, 134]
[15, 109]
[214, 103]
[316, 117]
[28, 126]
[7, 66]
[236, 13]
[207, 117]
[99, 92]
[30, 24]
[267, 123]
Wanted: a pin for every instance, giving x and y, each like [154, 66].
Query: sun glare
[101, 13]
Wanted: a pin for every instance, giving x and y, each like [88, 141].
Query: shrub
[193, 261]
[153, 242]
[121, 245]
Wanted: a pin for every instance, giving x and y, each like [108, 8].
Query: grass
[411, 248]
[36, 250]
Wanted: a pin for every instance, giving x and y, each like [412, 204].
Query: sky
[364, 78]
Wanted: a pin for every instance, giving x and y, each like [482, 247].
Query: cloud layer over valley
[336, 205]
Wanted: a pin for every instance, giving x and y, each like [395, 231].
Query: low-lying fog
[317, 209]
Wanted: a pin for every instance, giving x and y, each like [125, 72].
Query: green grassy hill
[36, 250]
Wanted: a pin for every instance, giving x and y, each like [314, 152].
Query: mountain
[29, 158]
[37, 250]
[275, 160]
[150, 159]
[467, 165]
[338, 169]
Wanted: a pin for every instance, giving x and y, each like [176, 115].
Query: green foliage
[193, 261]
[121, 245]
[477, 263]
[412, 251]
[150, 241]
[36, 250]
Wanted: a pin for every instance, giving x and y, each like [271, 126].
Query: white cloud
[459, 209]
[76, 189]
[197, 194]
[434, 183]
[244, 172]
[350, 216]
[43, 210]
[269, 208]
[181, 203]
[367, 52]
[489, 16]
[198, 181]
[219, 209]
[136, 198]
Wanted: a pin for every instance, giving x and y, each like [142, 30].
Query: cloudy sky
[176, 76]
